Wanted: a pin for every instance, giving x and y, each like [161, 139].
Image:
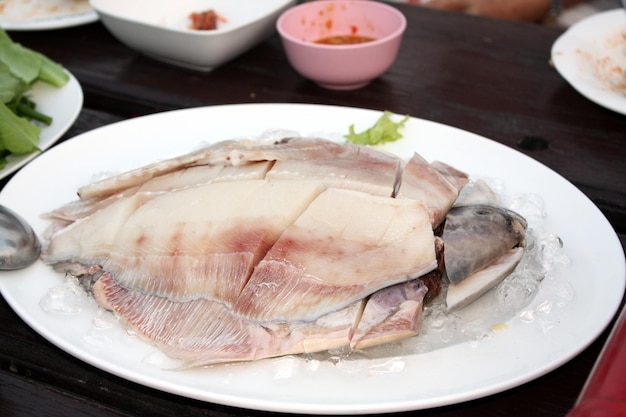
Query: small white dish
[161, 28]
[63, 105]
[591, 56]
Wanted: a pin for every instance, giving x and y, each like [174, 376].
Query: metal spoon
[19, 245]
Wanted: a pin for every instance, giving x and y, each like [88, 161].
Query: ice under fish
[246, 250]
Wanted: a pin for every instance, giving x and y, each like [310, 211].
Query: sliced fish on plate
[245, 250]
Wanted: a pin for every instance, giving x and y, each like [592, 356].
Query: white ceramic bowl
[161, 28]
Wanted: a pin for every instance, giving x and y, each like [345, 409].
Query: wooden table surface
[490, 77]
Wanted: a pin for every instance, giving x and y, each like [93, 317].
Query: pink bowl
[341, 67]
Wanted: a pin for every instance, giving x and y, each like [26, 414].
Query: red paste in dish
[344, 40]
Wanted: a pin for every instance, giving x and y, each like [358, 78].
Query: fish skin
[475, 235]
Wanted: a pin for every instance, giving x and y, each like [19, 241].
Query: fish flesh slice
[202, 332]
[299, 148]
[345, 246]
[171, 181]
[391, 314]
[478, 192]
[180, 179]
[78, 209]
[197, 242]
[367, 170]
[224, 153]
[394, 313]
[118, 183]
[245, 172]
[89, 240]
[421, 181]
[457, 177]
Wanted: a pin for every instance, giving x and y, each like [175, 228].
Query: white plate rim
[50, 22]
[217, 383]
[63, 105]
[579, 36]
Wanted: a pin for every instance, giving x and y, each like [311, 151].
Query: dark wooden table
[490, 77]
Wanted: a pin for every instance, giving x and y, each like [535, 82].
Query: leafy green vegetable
[23, 64]
[20, 69]
[51, 72]
[10, 87]
[384, 130]
[19, 136]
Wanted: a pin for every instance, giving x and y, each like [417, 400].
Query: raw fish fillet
[421, 181]
[223, 153]
[243, 250]
[121, 182]
[197, 242]
[392, 313]
[78, 209]
[367, 170]
[89, 240]
[345, 246]
[457, 177]
[171, 181]
[295, 148]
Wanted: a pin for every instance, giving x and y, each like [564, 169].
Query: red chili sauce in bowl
[344, 40]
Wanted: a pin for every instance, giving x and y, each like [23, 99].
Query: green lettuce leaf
[17, 135]
[23, 64]
[384, 130]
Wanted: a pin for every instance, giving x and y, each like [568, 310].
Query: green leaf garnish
[384, 130]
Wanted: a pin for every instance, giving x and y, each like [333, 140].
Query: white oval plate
[45, 14]
[517, 353]
[591, 56]
[63, 105]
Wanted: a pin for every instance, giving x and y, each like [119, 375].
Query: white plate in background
[45, 14]
[591, 56]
